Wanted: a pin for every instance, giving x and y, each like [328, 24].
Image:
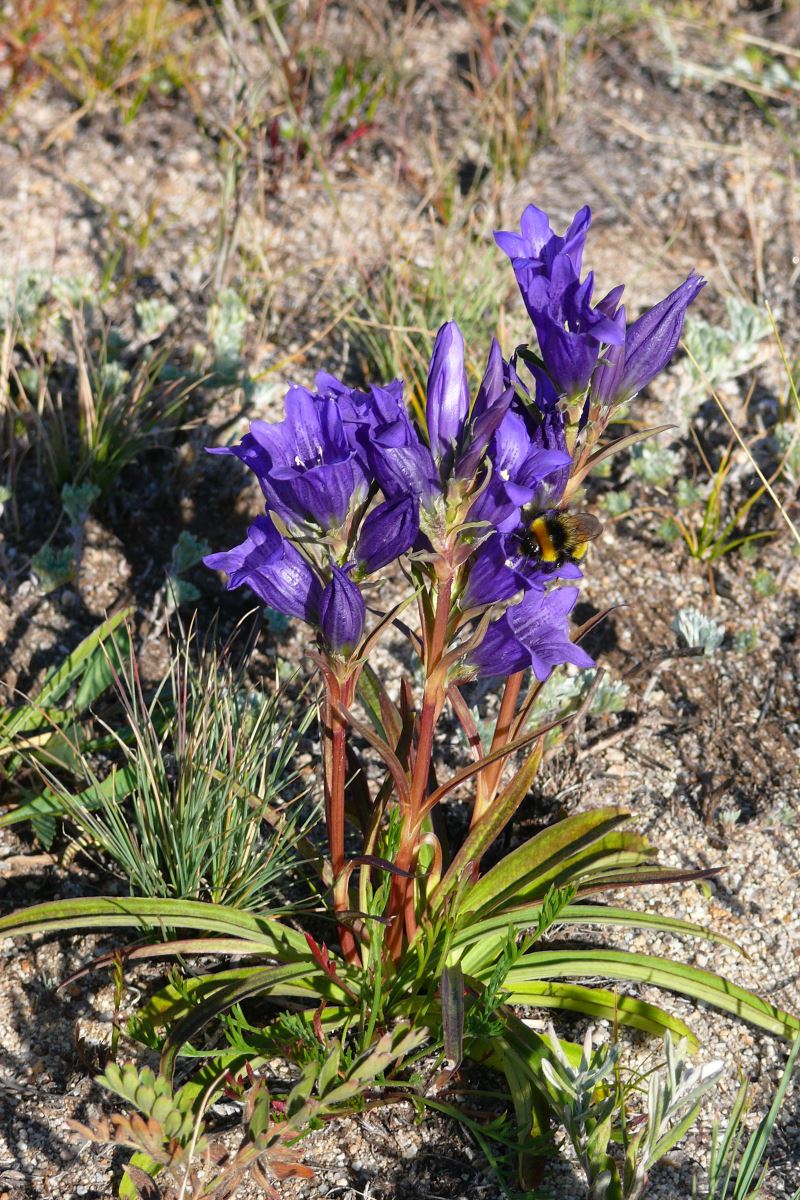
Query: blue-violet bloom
[308, 472]
[388, 531]
[273, 569]
[342, 613]
[534, 633]
[651, 340]
[447, 392]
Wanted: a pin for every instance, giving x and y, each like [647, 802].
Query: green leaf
[383, 713]
[127, 1188]
[452, 991]
[58, 682]
[146, 914]
[689, 981]
[601, 1004]
[44, 826]
[48, 803]
[86, 662]
[488, 827]
[329, 1071]
[483, 938]
[540, 857]
[181, 591]
[188, 551]
[258, 979]
[756, 1147]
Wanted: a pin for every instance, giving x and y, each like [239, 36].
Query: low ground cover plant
[460, 532]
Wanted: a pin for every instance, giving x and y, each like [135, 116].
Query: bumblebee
[555, 537]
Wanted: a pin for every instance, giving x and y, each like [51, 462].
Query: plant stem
[401, 896]
[335, 778]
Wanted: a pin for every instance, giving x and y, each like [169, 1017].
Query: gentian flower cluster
[352, 485]
[587, 354]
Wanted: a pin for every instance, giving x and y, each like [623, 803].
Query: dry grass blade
[734, 430]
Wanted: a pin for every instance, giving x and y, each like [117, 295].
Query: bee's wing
[585, 526]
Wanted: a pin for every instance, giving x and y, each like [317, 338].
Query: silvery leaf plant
[586, 1101]
[459, 533]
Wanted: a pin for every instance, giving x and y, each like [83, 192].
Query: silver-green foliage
[723, 353]
[587, 1116]
[654, 464]
[589, 1102]
[698, 630]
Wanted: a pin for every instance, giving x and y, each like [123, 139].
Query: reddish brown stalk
[338, 694]
[490, 778]
[401, 897]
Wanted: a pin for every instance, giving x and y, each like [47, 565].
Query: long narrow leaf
[452, 991]
[382, 710]
[114, 787]
[266, 979]
[382, 747]
[482, 936]
[756, 1147]
[540, 854]
[59, 681]
[471, 769]
[603, 1005]
[689, 981]
[143, 913]
[489, 826]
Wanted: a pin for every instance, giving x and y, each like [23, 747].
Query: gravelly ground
[678, 175]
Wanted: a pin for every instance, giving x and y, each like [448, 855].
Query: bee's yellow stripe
[540, 532]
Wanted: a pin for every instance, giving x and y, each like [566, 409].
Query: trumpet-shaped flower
[308, 472]
[651, 340]
[533, 633]
[520, 465]
[581, 344]
[492, 402]
[272, 567]
[533, 250]
[387, 532]
[447, 393]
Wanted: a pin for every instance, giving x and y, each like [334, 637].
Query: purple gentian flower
[308, 472]
[342, 613]
[519, 465]
[495, 573]
[651, 340]
[580, 343]
[499, 569]
[447, 393]
[387, 532]
[401, 462]
[491, 405]
[534, 633]
[273, 569]
[569, 331]
[383, 438]
[534, 248]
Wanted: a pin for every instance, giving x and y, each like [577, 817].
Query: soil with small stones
[681, 169]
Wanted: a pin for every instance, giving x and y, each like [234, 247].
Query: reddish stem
[335, 777]
[401, 897]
